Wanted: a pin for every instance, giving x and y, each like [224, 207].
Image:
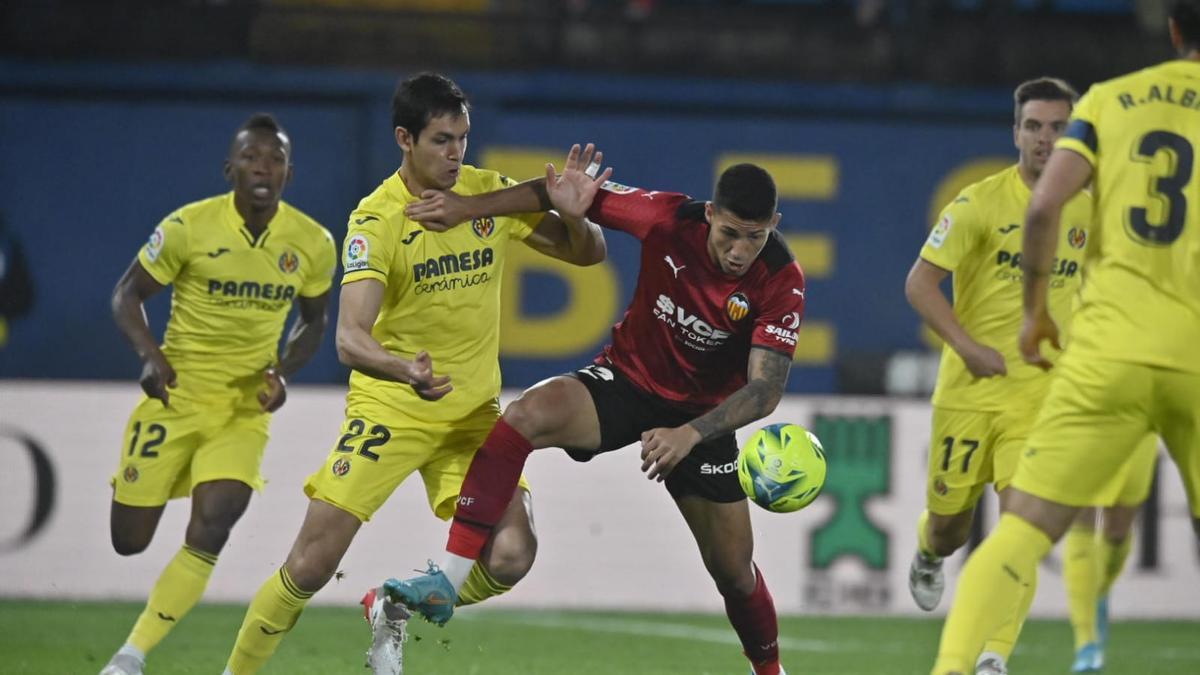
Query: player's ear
[227, 172]
[708, 211]
[404, 139]
[290, 172]
[775, 220]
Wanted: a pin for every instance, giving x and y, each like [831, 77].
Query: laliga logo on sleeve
[154, 246]
[483, 227]
[289, 262]
[356, 253]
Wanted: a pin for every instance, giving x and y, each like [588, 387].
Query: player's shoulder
[989, 187]
[199, 210]
[305, 227]
[778, 258]
[380, 205]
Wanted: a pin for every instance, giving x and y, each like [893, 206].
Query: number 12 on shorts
[948, 443]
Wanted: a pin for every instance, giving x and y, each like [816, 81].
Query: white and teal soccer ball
[782, 467]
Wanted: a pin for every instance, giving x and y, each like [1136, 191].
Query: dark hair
[1186, 14]
[1042, 89]
[747, 191]
[423, 97]
[262, 122]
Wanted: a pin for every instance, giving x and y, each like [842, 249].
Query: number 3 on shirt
[1169, 188]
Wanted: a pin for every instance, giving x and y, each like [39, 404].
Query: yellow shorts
[1085, 443]
[370, 460]
[169, 451]
[1139, 473]
[970, 449]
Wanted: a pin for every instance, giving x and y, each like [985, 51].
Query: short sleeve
[954, 234]
[634, 210]
[1080, 136]
[324, 260]
[367, 252]
[777, 325]
[166, 252]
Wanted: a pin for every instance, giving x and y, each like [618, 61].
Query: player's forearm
[527, 197]
[130, 317]
[1037, 255]
[586, 241]
[302, 343]
[754, 401]
[937, 312]
[359, 351]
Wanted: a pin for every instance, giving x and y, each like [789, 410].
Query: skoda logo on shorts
[130, 475]
[341, 467]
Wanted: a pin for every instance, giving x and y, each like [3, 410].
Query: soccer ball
[782, 467]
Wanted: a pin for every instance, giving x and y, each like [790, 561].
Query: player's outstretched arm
[571, 192]
[357, 348]
[924, 293]
[767, 373]
[132, 290]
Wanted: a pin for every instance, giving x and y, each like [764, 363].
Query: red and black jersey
[687, 334]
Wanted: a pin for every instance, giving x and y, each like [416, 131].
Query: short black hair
[1186, 14]
[262, 121]
[423, 97]
[1042, 89]
[747, 191]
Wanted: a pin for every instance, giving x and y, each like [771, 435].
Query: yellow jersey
[979, 238]
[1141, 303]
[232, 291]
[442, 296]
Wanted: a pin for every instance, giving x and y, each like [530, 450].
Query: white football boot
[388, 633]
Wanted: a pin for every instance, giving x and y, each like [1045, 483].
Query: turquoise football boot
[431, 595]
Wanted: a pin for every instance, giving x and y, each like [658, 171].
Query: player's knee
[735, 580]
[129, 543]
[527, 415]
[510, 560]
[310, 570]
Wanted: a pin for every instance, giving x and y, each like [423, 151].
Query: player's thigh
[1089, 426]
[1139, 473]
[1009, 437]
[157, 448]
[960, 455]
[724, 536]
[557, 412]
[1177, 416]
[452, 450]
[368, 460]
[234, 451]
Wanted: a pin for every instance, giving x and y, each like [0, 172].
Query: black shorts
[625, 411]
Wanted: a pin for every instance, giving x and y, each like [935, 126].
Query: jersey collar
[235, 222]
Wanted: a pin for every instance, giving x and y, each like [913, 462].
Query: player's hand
[438, 210]
[662, 449]
[983, 361]
[423, 381]
[273, 397]
[157, 378]
[1034, 329]
[572, 191]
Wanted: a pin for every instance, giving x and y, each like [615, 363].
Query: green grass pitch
[56, 638]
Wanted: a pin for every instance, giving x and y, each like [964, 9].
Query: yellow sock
[990, 591]
[177, 590]
[479, 586]
[1081, 572]
[1004, 640]
[1112, 561]
[923, 537]
[275, 609]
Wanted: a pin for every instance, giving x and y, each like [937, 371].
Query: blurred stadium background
[870, 113]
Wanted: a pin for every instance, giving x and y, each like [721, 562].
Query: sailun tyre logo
[289, 262]
[483, 227]
[737, 306]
